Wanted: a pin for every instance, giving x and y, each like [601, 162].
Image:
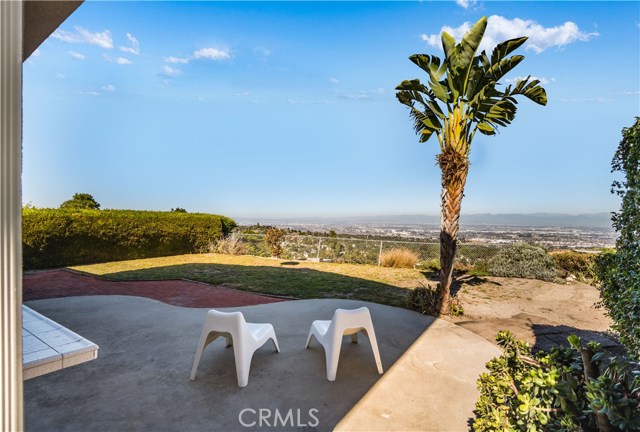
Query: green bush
[521, 260]
[581, 265]
[619, 272]
[56, 237]
[548, 392]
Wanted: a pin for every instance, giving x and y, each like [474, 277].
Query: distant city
[552, 230]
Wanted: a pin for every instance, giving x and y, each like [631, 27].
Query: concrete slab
[432, 387]
[141, 380]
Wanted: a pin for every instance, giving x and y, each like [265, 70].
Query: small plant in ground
[431, 265]
[230, 245]
[479, 268]
[580, 265]
[548, 391]
[399, 257]
[424, 299]
[523, 260]
[273, 238]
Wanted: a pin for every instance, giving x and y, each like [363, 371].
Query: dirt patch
[542, 313]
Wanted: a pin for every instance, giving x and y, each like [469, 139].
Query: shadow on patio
[140, 380]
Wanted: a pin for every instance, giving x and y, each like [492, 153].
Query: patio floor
[140, 380]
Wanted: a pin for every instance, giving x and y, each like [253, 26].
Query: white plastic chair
[344, 323]
[244, 337]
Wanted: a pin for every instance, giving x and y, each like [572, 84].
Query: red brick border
[186, 293]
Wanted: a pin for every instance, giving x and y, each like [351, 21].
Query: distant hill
[600, 220]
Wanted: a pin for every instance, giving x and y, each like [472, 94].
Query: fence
[364, 251]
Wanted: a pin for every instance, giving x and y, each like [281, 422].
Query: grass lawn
[271, 276]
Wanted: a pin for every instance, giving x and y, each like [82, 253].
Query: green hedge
[57, 238]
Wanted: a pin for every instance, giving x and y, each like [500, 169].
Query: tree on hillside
[460, 98]
[273, 239]
[178, 210]
[81, 201]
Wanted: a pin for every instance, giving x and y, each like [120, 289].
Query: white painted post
[380, 254]
[11, 404]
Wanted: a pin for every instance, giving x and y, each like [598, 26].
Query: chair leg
[309, 338]
[354, 338]
[201, 344]
[332, 355]
[275, 343]
[374, 347]
[229, 341]
[243, 365]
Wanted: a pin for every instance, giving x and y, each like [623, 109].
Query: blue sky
[288, 109]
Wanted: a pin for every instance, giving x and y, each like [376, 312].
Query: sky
[280, 109]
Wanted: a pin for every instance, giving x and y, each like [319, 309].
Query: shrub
[619, 272]
[229, 245]
[431, 265]
[273, 238]
[424, 299]
[548, 391]
[399, 257]
[522, 260]
[581, 265]
[56, 238]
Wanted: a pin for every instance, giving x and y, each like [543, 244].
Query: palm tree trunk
[454, 168]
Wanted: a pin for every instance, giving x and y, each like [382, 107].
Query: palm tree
[461, 98]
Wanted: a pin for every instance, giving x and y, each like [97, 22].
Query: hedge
[57, 238]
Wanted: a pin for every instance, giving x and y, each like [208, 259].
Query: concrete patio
[140, 381]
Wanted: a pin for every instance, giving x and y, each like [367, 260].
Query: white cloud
[135, 45]
[176, 59]
[542, 80]
[89, 93]
[598, 99]
[168, 71]
[109, 88]
[361, 94]
[77, 56]
[242, 94]
[431, 40]
[500, 28]
[264, 52]
[36, 53]
[212, 54]
[60, 76]
[466, 4]
[204, 53]
[119, 60]
[307, 102]
[81, 35]
[334, 81]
